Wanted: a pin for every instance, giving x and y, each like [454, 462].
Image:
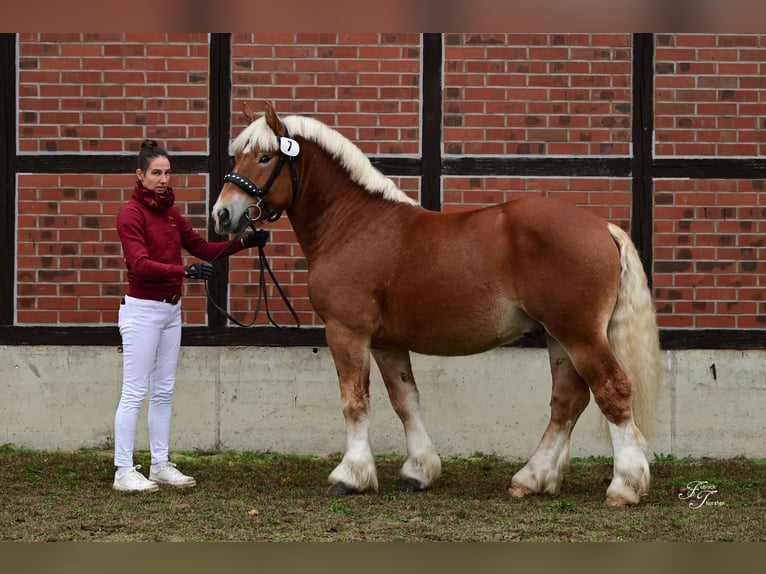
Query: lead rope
[263, 263]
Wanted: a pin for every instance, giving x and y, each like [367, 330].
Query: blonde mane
[258, 135]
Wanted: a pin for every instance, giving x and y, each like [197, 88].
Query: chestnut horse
[388, 276]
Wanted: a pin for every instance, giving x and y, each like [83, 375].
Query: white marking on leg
[357, 469]
[543, 472]
[423, 463]
[630, 480]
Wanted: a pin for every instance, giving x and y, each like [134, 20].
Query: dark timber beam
[218, 163]
[8, 172]
[642, 212]
[431, 131]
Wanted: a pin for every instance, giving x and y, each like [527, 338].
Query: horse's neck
[330, 206]
[327, 212]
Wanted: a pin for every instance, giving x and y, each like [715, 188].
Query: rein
[262, 291]
[288, 149]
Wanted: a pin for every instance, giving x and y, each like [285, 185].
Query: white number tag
[289, 147]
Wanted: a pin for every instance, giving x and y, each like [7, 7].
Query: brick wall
[104, 92]
[710, 269]
[710, 97]
[537, 94]
[710, 100]
[503, 95]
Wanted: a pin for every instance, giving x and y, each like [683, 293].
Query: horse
[388, 277]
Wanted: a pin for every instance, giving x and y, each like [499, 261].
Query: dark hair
[150, 150]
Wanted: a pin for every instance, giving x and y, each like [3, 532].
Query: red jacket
[151, 244]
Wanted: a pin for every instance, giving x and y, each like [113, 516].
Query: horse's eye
[264, 159]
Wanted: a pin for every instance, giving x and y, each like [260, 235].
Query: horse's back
[529, 237]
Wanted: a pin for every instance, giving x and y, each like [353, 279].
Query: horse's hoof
[341, 489]
[616, 501]
[410, 485]
[519, 491]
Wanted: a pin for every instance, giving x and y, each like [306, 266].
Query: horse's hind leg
[351, 353]
[612, 392]
[423, 465]
[569, 397]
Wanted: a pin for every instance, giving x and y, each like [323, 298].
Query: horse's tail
[633, 333]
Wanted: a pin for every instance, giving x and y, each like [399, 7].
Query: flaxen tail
[633, 333]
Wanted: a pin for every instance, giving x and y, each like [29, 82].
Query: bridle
[288, 150]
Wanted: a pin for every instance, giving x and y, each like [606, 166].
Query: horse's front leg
[356, 472]
[423, 465]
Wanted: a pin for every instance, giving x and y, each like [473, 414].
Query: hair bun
[150, 150]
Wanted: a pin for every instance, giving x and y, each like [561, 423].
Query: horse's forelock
[257, 135]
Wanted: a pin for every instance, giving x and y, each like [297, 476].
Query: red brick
[715, 321]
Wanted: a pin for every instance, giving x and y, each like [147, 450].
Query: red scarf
[157, 201]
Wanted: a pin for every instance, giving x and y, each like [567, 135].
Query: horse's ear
[249, 115]
[273, 121]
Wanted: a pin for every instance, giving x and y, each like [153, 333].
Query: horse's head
[258, 189]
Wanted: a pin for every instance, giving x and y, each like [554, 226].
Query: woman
[152, 233]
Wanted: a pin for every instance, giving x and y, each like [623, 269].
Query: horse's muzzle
[222, 219]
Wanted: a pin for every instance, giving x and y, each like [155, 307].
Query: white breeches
[151, 340]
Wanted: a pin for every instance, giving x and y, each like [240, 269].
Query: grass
[245, 496]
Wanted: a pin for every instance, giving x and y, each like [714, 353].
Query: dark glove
[258, 238]
[199, 270]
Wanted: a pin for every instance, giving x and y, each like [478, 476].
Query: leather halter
[260, 194]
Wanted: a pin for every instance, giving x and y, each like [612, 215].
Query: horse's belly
[459, 333]
[446, 348]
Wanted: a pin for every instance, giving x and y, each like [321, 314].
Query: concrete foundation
[287, 400]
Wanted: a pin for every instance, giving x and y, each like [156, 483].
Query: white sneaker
[133, 481]
[170, 475]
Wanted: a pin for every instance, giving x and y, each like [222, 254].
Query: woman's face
[157, 175]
